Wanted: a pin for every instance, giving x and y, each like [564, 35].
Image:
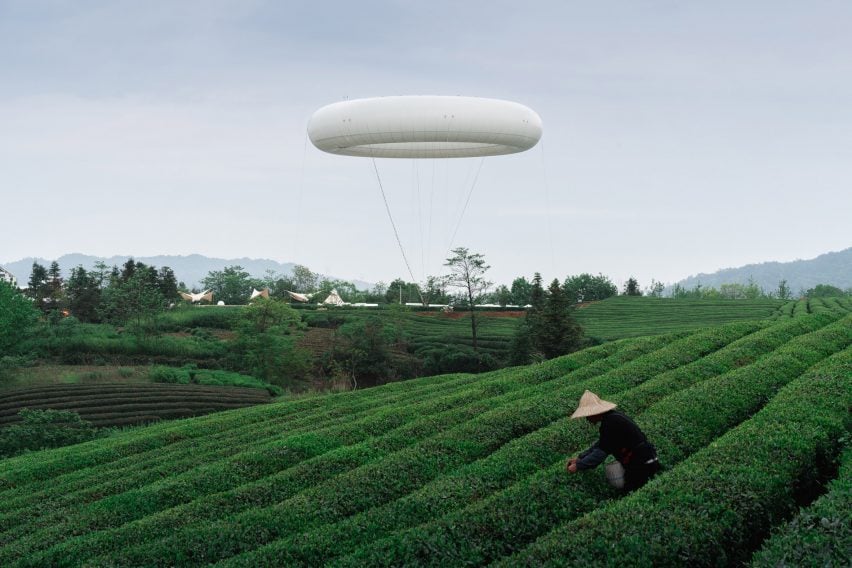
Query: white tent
[259, 293]
[334, 299]
[300, 297]
[195, 298]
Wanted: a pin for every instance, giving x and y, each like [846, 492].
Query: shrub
[820, 535]
[713, 509]
[41, 429]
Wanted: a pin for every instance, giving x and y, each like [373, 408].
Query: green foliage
[630, 316]
[824, 291]
[460, 469]
[587, 288]
[133, 299]
[41, 429]
[191, 374]
[557, 332]
[521, 291]
[17, 319]
[265, 343]
[632, 288]
[184, 317]
[819, 535]
[713, 509]
[83, 291]
[231, 285]
[364, 352]
[467, 274]
[783, 292]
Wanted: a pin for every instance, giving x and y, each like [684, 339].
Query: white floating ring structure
[424, 127]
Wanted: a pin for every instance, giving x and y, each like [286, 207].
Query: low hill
[462, 469]
[834, 268]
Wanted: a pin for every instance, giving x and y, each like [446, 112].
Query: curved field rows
[121, 404]
[819, 535]
[452, 470]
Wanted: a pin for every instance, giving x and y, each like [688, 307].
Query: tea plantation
[749, 417]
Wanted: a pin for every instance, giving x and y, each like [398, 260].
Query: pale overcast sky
[679, 137]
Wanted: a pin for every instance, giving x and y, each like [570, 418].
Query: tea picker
[636, 458]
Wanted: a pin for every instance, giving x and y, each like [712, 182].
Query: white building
[7, 276]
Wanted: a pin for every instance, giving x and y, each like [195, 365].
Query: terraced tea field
[625, 316]
[463, 469]
[122, 404]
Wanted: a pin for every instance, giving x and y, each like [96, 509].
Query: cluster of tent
[333, 298]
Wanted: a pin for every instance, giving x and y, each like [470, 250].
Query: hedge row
[819, 535]
[88, 482]
[520, 458]
[349, 404]
[498, 524]
[715, 508]
[85, 405]
[372, 465]
[417, 422]
[405, 471]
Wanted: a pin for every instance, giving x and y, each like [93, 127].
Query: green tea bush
[41, 429]
[408, 469]
[481, 532]
[191, 374]
[327, 465]
[715, 508]
[819, 535]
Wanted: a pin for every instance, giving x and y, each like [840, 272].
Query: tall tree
[558, 333]
[167, 283]
[83, 292]
[503, 295]
[134, 302]
[467, 273]
[631, 287]
[588, 288]
[433, 291]
[655, 290]
[17, 317]
[534, 313]
[304, 279]
[231, 285]
[521, 291]
[54, 298]
[37, 285]
[783, 292]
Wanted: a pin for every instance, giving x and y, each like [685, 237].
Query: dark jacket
[621, 438]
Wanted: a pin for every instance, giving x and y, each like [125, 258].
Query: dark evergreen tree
[536, 309]
[167, 283]
[37, 285]
[631, 287]
[559, 333]
[84, 294]
[128, 270]
[54, 296]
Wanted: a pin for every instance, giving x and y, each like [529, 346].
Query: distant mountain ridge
[833, 268]
[190, 269]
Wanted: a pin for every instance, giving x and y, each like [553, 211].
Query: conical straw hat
[591, 404]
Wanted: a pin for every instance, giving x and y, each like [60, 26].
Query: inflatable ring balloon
[424, 127]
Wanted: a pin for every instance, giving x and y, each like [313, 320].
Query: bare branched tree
[467, 273]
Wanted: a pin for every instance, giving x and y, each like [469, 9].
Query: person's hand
[571, 465]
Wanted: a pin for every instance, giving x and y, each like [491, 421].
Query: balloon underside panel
[424, 127]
